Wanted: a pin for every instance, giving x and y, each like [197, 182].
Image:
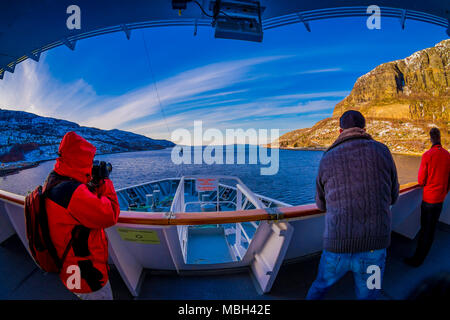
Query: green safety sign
[140, 236]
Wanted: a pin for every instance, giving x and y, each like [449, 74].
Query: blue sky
[165, 78]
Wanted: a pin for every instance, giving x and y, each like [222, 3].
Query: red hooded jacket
[434, 174]
[76, 212]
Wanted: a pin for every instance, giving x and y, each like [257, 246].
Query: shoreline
[413, 154]
[19, 167]
[32, 164]
[299, 148]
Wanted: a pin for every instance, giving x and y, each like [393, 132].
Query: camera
[100, 170]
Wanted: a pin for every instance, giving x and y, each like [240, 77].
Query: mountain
[401, 101]
[26, 138]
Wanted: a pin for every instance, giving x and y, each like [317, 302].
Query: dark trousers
[429, 218]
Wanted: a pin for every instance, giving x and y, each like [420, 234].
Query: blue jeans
[333, 266]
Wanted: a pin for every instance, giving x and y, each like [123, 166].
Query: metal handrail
[200, 218]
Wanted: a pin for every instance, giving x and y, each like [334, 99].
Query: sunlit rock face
[401, 101]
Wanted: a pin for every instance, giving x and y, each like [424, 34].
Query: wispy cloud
[31, 88]
[260, 114]
[320, 71]
[220, 94]
[313, 95]
[184, 86]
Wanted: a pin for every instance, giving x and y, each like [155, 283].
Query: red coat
[74, 211]
[434, 174]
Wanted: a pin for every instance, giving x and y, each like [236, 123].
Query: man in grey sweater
[356, 185]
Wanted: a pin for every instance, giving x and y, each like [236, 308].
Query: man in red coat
[78, 212]
[434, 176]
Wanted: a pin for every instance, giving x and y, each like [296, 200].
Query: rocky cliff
[27, 138]
[401, 101]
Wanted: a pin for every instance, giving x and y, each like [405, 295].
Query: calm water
[294, 183]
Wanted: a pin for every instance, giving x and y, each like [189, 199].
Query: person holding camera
[81, 202]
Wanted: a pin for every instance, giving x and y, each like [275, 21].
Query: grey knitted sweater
[356, 184]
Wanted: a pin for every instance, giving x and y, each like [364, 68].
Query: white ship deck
[21, 279]
[253, 246]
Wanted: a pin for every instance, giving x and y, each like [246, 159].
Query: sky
[164, 79]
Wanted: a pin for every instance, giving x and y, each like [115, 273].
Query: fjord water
[294, 183]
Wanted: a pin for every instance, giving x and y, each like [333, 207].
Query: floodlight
[237, 19]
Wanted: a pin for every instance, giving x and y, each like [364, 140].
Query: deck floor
[207, 245]
[21, 279]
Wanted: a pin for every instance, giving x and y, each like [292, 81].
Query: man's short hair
[435, 135]
[352, 118]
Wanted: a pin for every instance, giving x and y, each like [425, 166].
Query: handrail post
[238, 199]
[178, 197]
[250, 196]
[238, 239]
[182, 195]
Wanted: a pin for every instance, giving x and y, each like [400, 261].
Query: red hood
[75, 157]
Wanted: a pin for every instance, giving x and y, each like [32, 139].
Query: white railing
[243, 196]
[178, 198]
[242, 192]
[178, 206]
[241, 188]
[241, 234]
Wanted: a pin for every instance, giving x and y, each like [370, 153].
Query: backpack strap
[66, 251]
[52, 181]
[43, 221]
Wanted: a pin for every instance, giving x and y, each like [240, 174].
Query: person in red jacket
[79, 209]
[434, 176]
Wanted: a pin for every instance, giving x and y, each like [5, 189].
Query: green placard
[139, 236]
